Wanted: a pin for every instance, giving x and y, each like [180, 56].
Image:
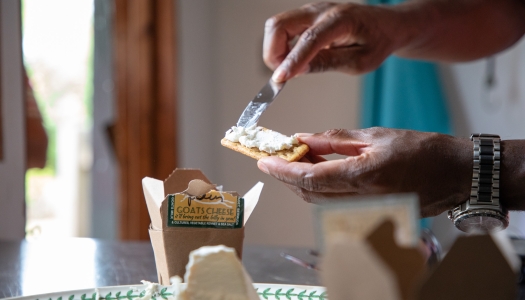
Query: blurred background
[128, 89]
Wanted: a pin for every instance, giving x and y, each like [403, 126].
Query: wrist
[512, 192]
[461, 149]
[483, 211]
[449, 160]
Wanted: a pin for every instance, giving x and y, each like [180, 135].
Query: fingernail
[263, 167]
[279, 75]
[303, 134]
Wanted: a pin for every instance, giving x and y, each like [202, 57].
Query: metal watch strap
[485, 177]
[482, 211]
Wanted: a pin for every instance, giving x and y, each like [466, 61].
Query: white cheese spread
[151, 289]
[265, 140]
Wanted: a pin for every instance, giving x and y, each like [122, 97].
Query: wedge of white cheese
[215, 273]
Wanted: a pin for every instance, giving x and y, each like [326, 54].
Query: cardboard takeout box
[172, 239]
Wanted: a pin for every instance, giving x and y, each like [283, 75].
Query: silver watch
[482, 211]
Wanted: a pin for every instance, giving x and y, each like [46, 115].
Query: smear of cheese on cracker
[258, 137]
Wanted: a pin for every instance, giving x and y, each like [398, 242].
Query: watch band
[482, 211]
[486, 171]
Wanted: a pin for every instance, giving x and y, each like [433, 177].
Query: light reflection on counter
[58, 259]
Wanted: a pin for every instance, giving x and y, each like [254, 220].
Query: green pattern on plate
[130, 295]
[290, 294]
[265, 292]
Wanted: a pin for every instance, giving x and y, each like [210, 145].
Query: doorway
[58, 58]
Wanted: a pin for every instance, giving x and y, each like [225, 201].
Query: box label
[212, 210]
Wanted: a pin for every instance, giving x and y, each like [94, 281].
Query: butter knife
[259, 104]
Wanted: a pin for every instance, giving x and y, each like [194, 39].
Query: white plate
[266, 291]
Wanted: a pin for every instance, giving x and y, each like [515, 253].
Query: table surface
[38, 267]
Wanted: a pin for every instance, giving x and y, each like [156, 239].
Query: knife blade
[260, 103]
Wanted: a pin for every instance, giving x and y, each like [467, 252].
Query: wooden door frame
[145, 97]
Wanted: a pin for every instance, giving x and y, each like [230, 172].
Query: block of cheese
[215, 273]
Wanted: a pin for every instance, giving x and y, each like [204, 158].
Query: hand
[356, 38]
[379, 160]
[346, 37]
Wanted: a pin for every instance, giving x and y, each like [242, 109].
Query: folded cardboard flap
[179, 179]
[156, 193]
[172, 245]
[406, 263]
[476, 267]
[396, 269]
[352, 270]
[380, 267]
[358, 216]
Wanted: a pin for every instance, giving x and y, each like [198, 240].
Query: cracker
[293, 154]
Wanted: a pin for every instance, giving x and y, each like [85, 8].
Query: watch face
[481, 223]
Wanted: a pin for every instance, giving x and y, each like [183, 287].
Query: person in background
[355, 39]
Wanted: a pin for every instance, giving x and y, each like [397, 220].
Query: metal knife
[259, 104]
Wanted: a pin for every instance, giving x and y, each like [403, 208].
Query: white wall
[498, 110]
[12, 167]
[221, 69]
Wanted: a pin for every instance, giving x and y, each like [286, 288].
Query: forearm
[454, 30]
[512, 191]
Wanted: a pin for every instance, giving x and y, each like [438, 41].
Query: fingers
[318, 198]
[320, 35]
[279, 30]
[324, 177]
[340, 141]
[314, 159]
[353, 60]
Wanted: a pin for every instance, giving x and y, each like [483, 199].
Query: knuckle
[370, 133]
[310, 183]
[376, 130]
[318, 6]
[335, 13]
[311, 34]
[270, 61]
[272, 23]
[336, 133]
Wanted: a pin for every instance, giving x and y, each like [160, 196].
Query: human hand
[346, 37]
[379, 160]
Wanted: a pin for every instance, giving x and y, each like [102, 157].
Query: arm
[460, 30]
[380, 160]
[357, 38]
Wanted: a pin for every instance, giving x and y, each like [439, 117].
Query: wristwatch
[482, 211]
